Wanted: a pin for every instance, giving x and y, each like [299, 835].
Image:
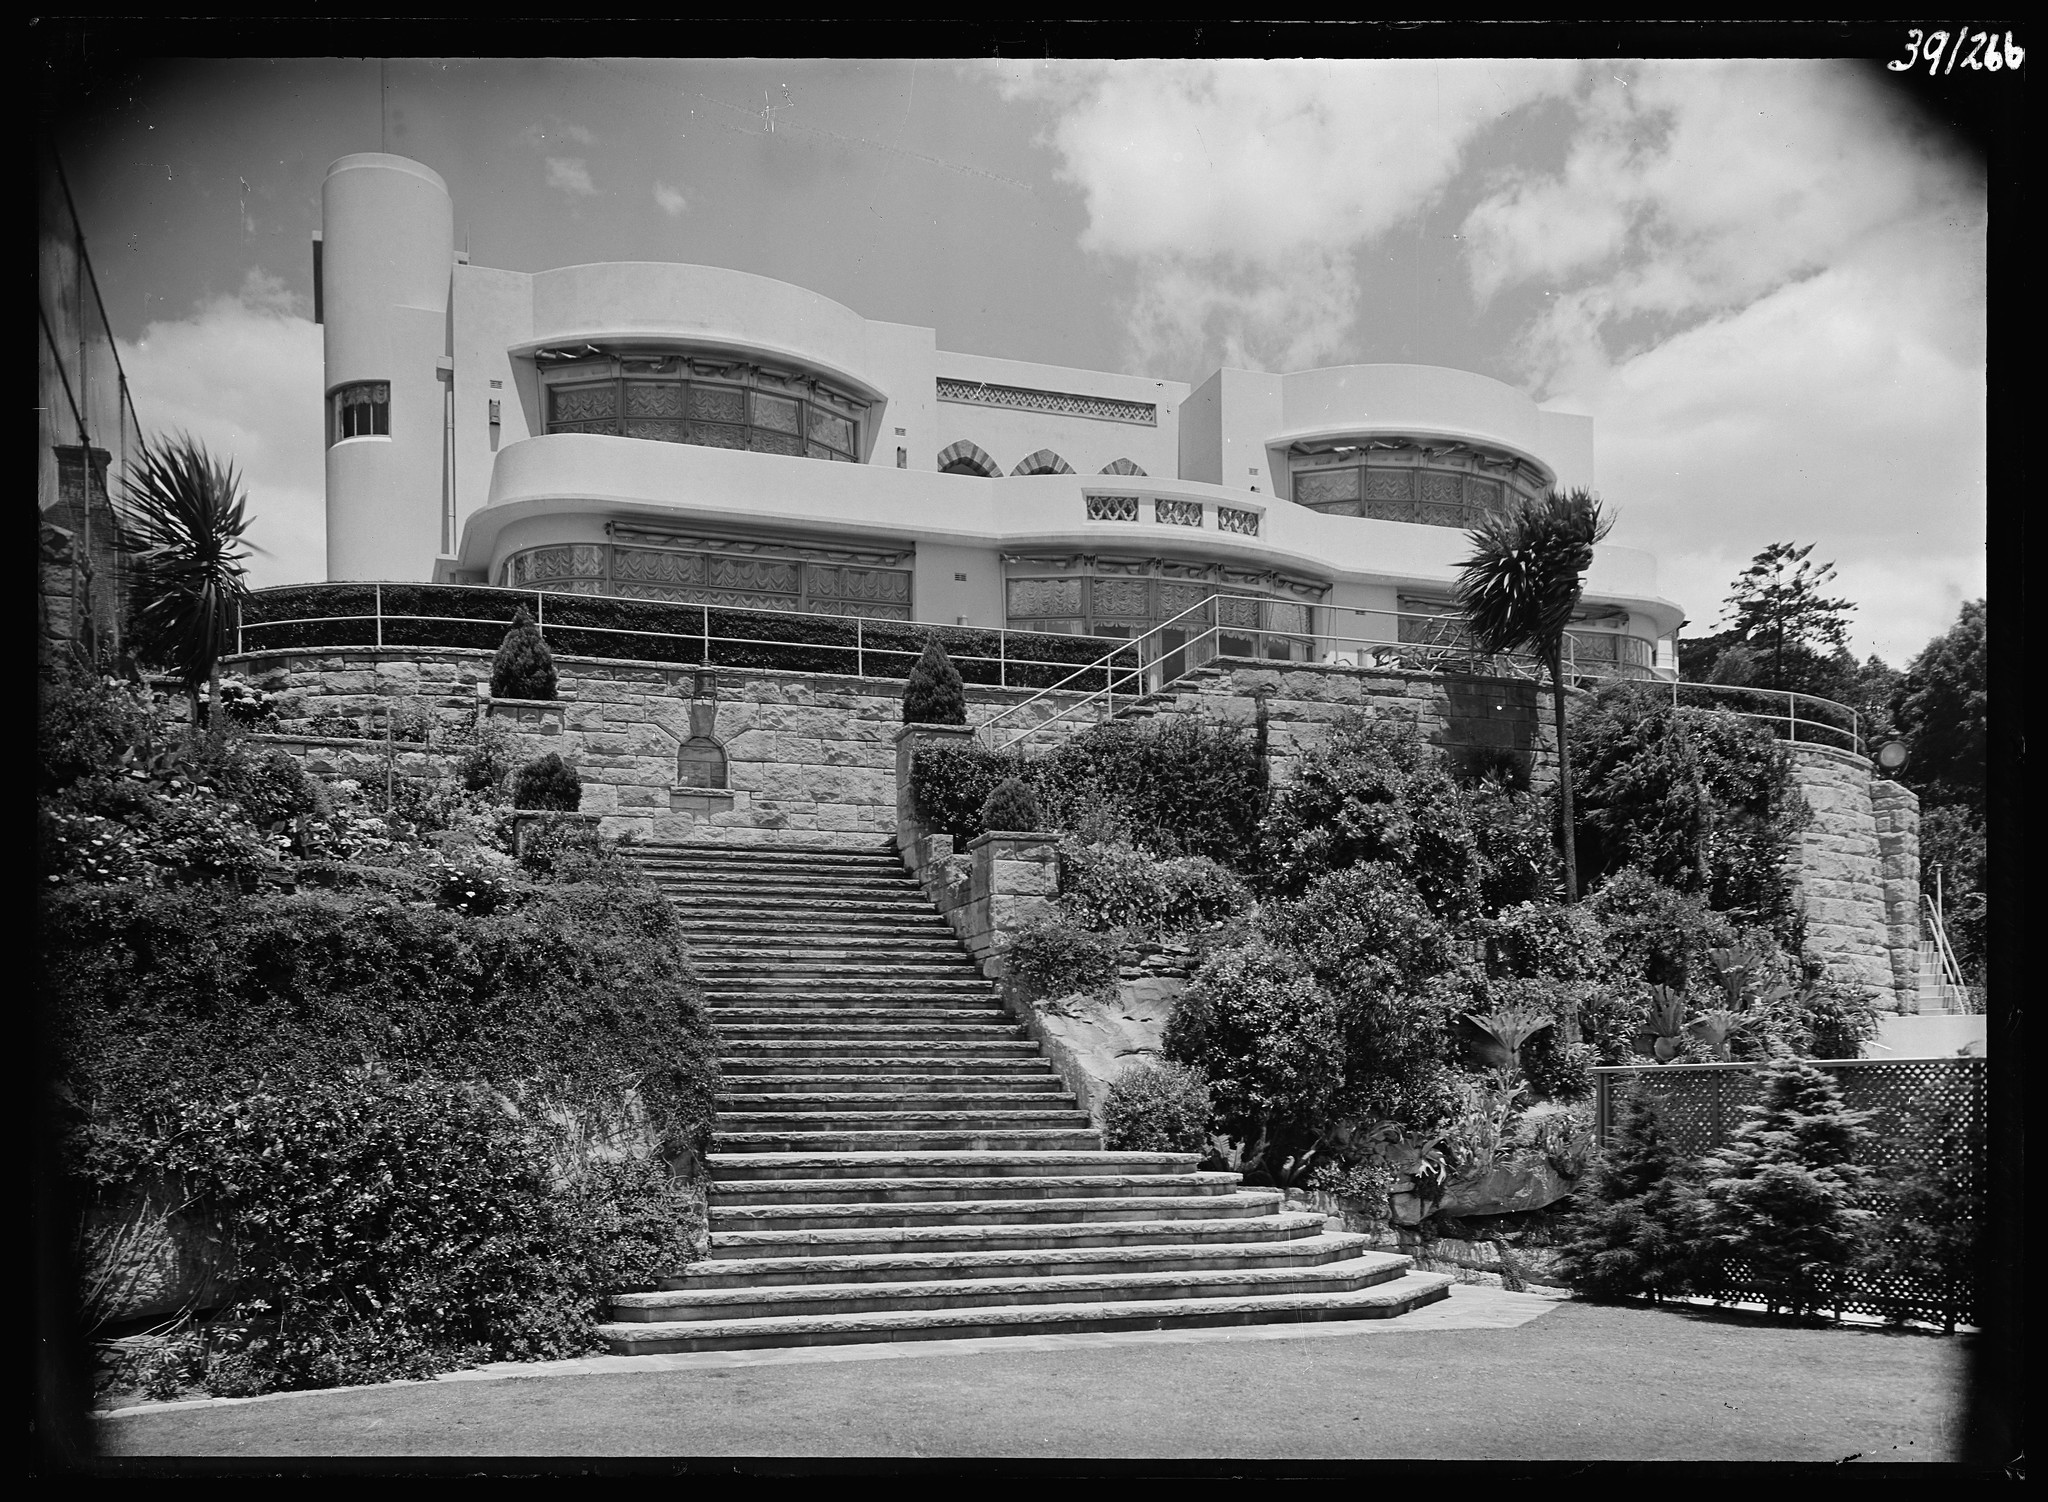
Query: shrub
[1121, 887]
[1513, 833]
[1270, 1042]
[524, 667]
[548, 782]
[934, 694]
[1633, 1231]
[1367, 1186]
[1780, 1194]
[392, 1229]
[473, 890]
[1654, 933]
[950, 783]
[1157, 1108]
[1934, 1205]
[1375, 793]
[1053, 957]
[483, 755]
[1177, 784]
[1010, 807]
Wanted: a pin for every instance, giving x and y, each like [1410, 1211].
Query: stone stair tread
[1050, 1186]
[931, 1139]
[649, 1306]
[1379, 1300]
[1279, 1226]
[1102, 1161]
[915, 1266]
[971, 1212]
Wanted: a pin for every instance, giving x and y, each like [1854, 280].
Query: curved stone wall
[1857, 874]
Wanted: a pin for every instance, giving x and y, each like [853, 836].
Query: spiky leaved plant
[1519, 589]
[182, 520]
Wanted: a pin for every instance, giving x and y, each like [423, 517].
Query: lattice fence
[1702, 1105]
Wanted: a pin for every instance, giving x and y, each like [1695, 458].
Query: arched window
[700, 763]
[1044, 462]
[1121, 467]
[964, 458]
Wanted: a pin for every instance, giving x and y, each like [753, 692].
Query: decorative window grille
[746, 576]
[1065, 403]
[1177, 513]
[712, 404]
[1231, 519]
[361, 410]
[700, 763]
[1112, 508]
[1401, 480]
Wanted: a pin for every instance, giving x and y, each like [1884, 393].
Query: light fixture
[1891, 755]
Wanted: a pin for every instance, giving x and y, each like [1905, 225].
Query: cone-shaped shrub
[548, 782]
[523, 668]
[934, 695]
[1157, 1108]
[1633, 1234]
[1010, 806]
[1780, 1197]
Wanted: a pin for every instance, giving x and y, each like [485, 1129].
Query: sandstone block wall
[1860, 919]
[810, 757]
[1302, 700]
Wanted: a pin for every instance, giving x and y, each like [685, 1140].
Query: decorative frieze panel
[1112, 508]
[1177, 513]
[1231, 519]
[1064, 403]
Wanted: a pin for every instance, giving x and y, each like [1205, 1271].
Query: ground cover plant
[379, 1056]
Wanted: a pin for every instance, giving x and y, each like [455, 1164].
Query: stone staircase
[896, 1160]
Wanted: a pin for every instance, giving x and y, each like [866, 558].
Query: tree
[1632, 1235]
[524, 667]
[182, 522]
[1929, 1233]
[1519, 589]
[1778, 606]
[1780, 1195]
[934, 694]
[1941, 706]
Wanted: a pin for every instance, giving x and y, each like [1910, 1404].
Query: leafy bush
[578, 993]
[1552, 940]
[483, 752]
[390, 1229]
[1157, 1108]
[1514, 832]
[1121, 887]
[1178, 784]
[474, 890]
[1633, 1231]
[1010, 807]
[934, 694]
[1270, 1041]
[524, 667]
[548, 782]
[1781, 1193]
[950, 783]
[1375, 793]
[1053, 957]
[1655, 933]
[1934, 1205]
[1366, 1185]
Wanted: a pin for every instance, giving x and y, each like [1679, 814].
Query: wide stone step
[1285, 1226]
[882, 1066]
[742, 1018]
[753, 1168]
[933, 1190]
[932, 929]
[746, 950]
[988, 1115]
[901, 1085]
[936, 1139]
[993, 1026]
[966, 1102]
[711, 962]
[1378, 1301]
[1084, 1210]
[854, 1048]
[809, 992]
[1018, 1262]
[689, 1305]
[795, 896]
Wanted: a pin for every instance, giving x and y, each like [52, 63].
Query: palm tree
[1519, 589]
[182, 520]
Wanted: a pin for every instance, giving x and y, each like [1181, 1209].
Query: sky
[1764, 280]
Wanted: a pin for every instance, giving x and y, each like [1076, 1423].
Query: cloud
[672, 202]
[1241, 190]
[570, 175]
[243, 375]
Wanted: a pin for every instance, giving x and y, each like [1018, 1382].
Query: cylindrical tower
[387, 253]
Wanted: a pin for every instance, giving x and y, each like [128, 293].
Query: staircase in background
[896, 1161]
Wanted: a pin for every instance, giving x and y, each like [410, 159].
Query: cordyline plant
[182, 521]
[1510, 1027]
[1519, 589]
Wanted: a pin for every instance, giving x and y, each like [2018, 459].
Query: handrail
[1790, 719]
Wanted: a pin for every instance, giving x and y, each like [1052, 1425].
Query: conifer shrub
[1157, 1108]
[523, 668]
[1933, 1208]
[1780, 1197]
[1633, 1232]
[1010, 807]
[548, 782]
[934, 694]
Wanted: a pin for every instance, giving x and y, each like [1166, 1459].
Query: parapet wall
[810, 758]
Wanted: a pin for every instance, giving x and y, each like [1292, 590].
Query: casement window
[361, 409]
[712, 403]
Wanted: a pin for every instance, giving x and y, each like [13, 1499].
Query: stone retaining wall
[1896, 812]
[1859, 917]
[809, 757]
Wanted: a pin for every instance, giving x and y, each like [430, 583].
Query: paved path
[1483, 1375]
